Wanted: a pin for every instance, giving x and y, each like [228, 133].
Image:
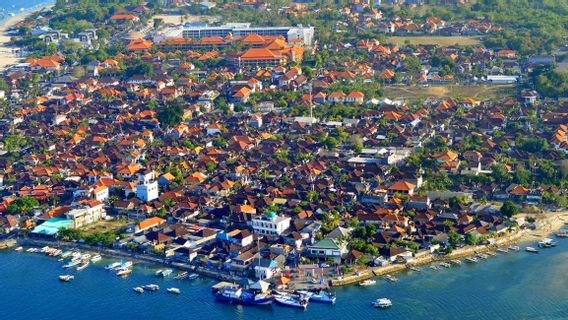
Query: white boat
[321, 296]
[193, 276]
[445, 265]
[503, 250]
[181, 276]
[96, 258]
[113, 266]
[19, 249]
[293, 301]
[66, 277]
[531, 250]
[547, 243]
[456, 262]
[173, 290]
[124, 272]
[391, 278]
[382, 303]
[151, 287]
[482, 256]
[368, 282]
[159, 272]
[71, 264]
[83, 266]
[138, 289]
[435, 267]
[514, 248]
[471, 260]
[562, 233]
[415, 269]
[166, 272]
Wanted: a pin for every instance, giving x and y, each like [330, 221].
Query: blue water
[511, 286]
[16, 6]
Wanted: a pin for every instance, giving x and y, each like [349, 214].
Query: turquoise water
[16, 6]
[510, 286]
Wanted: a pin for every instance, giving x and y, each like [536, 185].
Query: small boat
[71, 264]
[435, 267]
[293, 301]
[238, 295]
[562, 233]
[368, 282]
[382, 303]
[547, 243]
[321, 296]
[113, 266]
[415, 269]
[138, 289]
[83, 266]
[503, 250]
[66, 277]
[159, 272]
[471, 260]
[391, 278]
[173, 290]
[193, 276]
[96, 258]
[445, 265]
[514, 248]
[456, 262]
[65, 254]
[181, 275]
[166, 272]
[531, 250]
[125, 272]
[482, 256]
[19, 249]
[151, 287]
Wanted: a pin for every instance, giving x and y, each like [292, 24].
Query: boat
[292, 300]
[124, 272]
[531, 250]
[181, 276]
[482, 256]
[19, 249]
[113, 266]
[71, 264]
[83, 266]
[151, 287]
[321, 296]
[166, 272]
[159, 272]
[435, 267]
[503, 250]
[66, 277]
[65, 254]
[415, 269]
[471, 260]
[562, 233]
[236, 294]
[193, 276]
[391, 278]
[445, 265]
[547, 243]
[138, 289]
[173, 290]
[382, 303]
[96, 258]
[514, 248]
[368, 282]
[456, 262]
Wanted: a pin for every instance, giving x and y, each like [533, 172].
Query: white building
[101, 193]
[271, 224]
[147, 192]
[88, 212]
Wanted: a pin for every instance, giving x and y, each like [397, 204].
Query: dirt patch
[439, 40]
[450, 91]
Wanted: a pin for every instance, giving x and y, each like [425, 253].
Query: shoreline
[547, 226]
[8, 55]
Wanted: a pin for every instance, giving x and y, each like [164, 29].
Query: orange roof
[519, 190]
[149, 223]
[402, 186]
[243, 92]
[258, 54]
[124, 17]
[140, 44]
[446, 155]
[253, 38]
[356, 94]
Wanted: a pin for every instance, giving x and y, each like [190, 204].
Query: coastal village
[244, 151]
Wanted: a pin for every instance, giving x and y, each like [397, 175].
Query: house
[355, 97]
[265, 268]
[327, 249]
[149, 223]
[336, 97]
[271, 224]
[87, 213]
[403, 187]
[213, 129]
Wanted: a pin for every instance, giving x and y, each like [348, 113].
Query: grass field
[439, 40]
[479, 92]
[105, 225]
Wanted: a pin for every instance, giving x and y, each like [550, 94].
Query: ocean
[510, 286]
[16, 7]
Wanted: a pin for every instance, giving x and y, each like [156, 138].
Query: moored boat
[167, 272]
[471, 260]
[19, 249]
[292, 300]
[547, 243]
[456, 262]
[514, 248]
[151, 287]
[124, 272]
[391, 278]
[368, 282]
[236, 294]
[71, 264]
[113, 266]
[173, 290]
[96, 258]
[182, 275]
[562, 233]
[138, 289]
[66, 277]
[445, 265]
[415, 269]
[531, 250]
[321, 296]
[382, 303]
[83, 266]
[193, 276]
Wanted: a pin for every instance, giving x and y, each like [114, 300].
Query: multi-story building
[271, 224]
[88, 212]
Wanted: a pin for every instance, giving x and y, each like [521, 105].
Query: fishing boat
[503, 250]
[138, 289]
[113, 266]
[415, 269]
[167, 272]
[173, 290]
[83, 266]
[368, 282]
[96, 258]
[456, 262]
[531, 250]
[562, 233]
[193, 276]
[435, 267]
[66, 254]
[292, 300]
[151, 287]
[547, 243]
[482, 256]
[391, 278]
[19, 249]
[382, 303]
[66, 277]
[445, 265]
[236, 294]
[124, 272]
[181, 276]
[159, 272]
[514, 248]
[321, 296]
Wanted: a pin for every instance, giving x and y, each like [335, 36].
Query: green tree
[509, 209]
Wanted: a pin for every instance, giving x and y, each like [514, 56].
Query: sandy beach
[7, 54]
